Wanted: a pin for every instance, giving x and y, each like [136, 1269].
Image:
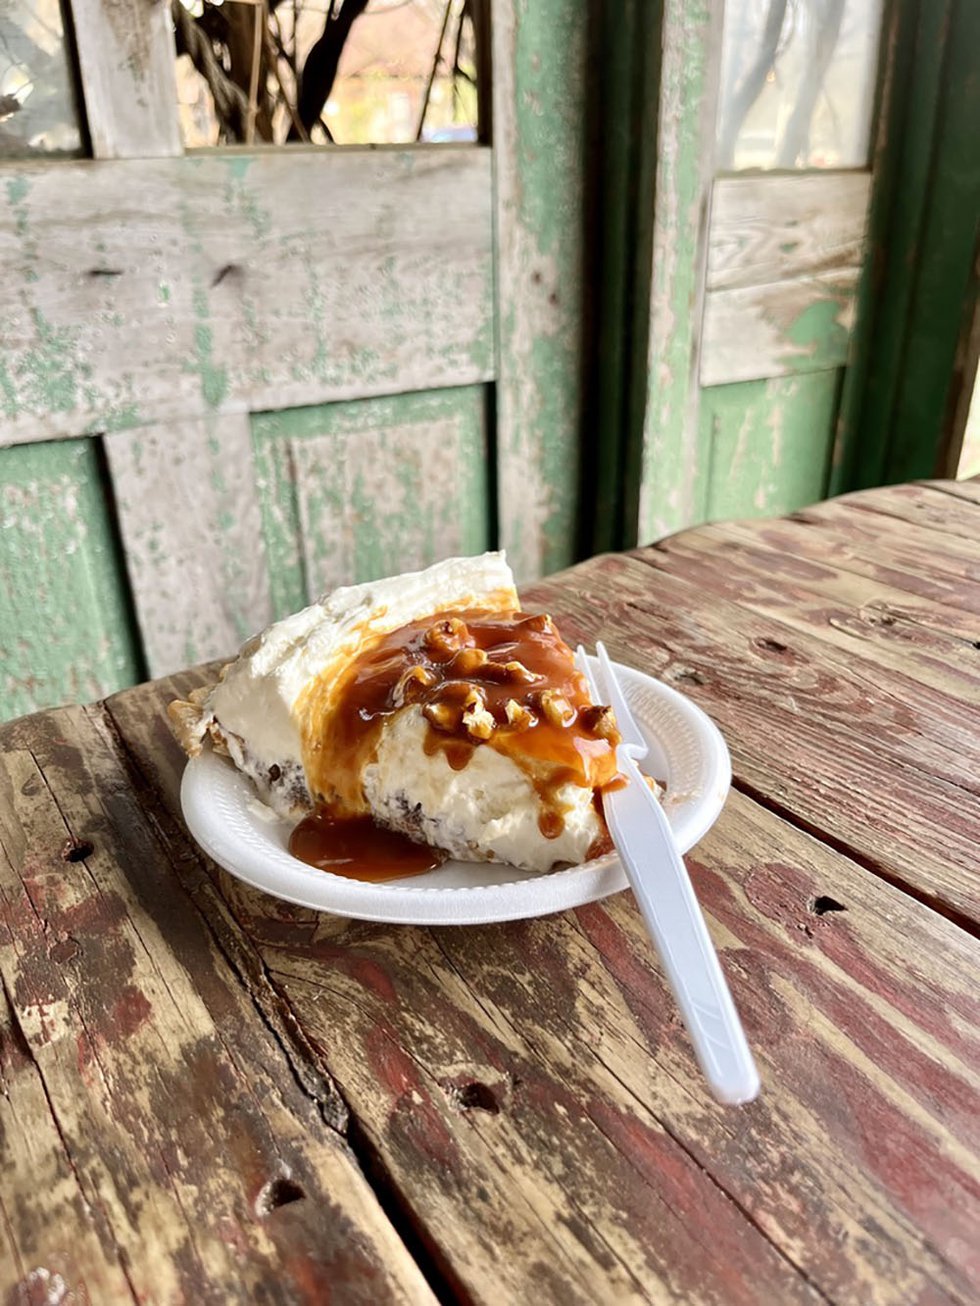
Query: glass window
[38, 114]
[351, 72]
[797, 83]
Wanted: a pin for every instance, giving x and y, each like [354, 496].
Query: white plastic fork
[660, 882]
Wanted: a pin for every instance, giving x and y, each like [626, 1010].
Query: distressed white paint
[780, 247]
[140, 291]
[377, 501]
[675, 461]
[540, 62]
[192, 531]
[126, 62]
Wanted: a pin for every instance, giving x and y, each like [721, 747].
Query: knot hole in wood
[280, 1191]
[76, 850]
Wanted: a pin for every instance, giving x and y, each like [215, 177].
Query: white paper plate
[242, 835]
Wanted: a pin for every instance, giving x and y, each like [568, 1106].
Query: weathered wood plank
[902, 544]
[467, 1114]
[968, 490]
[784, 256]
[768, 443]
[811, 537]
[674, 476]
[540, 57]
[189, 515]
[788, 706]
[355, 491]
[126, 59]
[913, 636]
[545, 1058]
[141, 291]
[924, 505]
[213, 1167]
[64, 630]
[30, 1266]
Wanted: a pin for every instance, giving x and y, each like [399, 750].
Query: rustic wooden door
[231, 378]
[751, 177]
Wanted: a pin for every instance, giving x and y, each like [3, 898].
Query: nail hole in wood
[76, 850]
[689, 674]
[976, 643]
[226, 271]
[478, 1097]
[823, 904]
[276, 1193]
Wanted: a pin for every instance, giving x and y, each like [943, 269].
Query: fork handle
[665, 896]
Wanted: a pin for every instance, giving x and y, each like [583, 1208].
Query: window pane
[37, 102]
[354, 72]
[797, 83]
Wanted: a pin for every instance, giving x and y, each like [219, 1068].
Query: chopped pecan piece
[600, 721]
[509, 673]
[446, 637]
[478, 721]
[556, 708]
[411, 683]
[466, 661]
[442, 716]
[518, 716]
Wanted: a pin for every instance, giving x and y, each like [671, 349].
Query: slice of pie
[429, 702]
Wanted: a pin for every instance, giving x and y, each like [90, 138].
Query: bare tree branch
[751, 83]
[436, 60]
[796, 136]
[320, 69]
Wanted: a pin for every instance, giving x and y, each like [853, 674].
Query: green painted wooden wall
[66, 632]
[221, 391]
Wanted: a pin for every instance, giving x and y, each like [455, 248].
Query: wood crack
[300, 1059]
[24, 1046]
[847, 850]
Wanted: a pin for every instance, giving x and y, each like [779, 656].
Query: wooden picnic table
[207, 1095]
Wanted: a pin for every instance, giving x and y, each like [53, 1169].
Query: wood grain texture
[64, 629]
[142, 291]
[939, 507]
[189, 514]
[784, 256]
[540, 58]
[193, 1158]
[674, 472]
[370, 488]
[524, 1095]
[529, 1085]
[768, 443]
[922, 638]
[899, 792]
[126, 61]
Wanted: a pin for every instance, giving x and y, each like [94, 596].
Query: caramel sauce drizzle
[503, 680]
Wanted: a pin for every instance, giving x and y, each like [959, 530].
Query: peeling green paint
[819, 332]
[768, 443]
[394, 516]
[214, 379]
[48, 370]
[18, 188]
[64, 629]
[541, 135]
[117, 417]
[674, 476]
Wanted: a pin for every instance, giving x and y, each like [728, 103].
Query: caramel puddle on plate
[360, 850]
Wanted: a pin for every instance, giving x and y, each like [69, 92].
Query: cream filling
[254, 702]
[488, 811]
